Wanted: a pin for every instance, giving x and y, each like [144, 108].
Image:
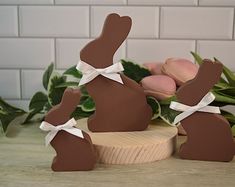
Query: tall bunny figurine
[74, 148]
[209, 135]
[120, 102]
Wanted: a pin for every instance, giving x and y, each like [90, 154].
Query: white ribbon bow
[68, 127]
[89, 72]
[189, 110]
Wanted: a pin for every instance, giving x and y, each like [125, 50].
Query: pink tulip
[159, 86]
[154, 67]
[181, 70]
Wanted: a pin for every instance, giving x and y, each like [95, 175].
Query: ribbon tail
[75, 132]
[49, 137]
[178, 106]
[114, 77]
[210, 109]
[182, 116]
[87, 78]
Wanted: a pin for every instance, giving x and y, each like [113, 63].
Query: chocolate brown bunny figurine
[209, 136]
[74, 148]
[119, 107]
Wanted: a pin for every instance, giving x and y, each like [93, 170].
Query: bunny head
[194, 90]
[61, 113]
[99, 52]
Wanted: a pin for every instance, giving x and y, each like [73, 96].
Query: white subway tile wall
[34, 33]
[31, 82]
[158, 50]
[8, 21]
[54, 21]
[205, 23]
[26, 2]
[145, 20]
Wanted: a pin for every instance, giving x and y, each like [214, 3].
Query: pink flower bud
[159, 86]
[154, 67]
[181, 70]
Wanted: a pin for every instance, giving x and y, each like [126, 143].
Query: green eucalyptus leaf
[83, 99]
[233, 130]
[3, 112]
[227, 91]
[30, 115]
[223, 98]
[221, 85]
[168, 115]
[55, 94]
[68, 84]
[38, 101]
[229, 116]
[79, 113]
[8, 114]
[84, 91]
[154, 104]
[88, 105]
[7, 119]
[36, 105]
[4, 106]
[222, 80]
[73, 72]
[230, 76]
[47, 107]
[197, 58]
[134, 71]
[168, 100]
[47, 75]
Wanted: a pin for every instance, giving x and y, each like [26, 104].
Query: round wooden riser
[156, 143]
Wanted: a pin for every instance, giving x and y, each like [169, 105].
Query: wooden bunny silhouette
[73, 153]
[119, 107]
[209, 136]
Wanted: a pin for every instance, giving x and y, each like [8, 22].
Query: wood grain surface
[25, 162]
[158, 142]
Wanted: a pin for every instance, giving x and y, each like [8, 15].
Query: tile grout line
[233, 30]
[18, 20]
[159, 21]
[20, 69]
[195, 48]
[89, 22]
[132, 38]
[55, 54]
[121, 5]
[21, 83]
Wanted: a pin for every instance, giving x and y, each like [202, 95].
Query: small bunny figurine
[119, 107]
[209, 136]
[73, 153]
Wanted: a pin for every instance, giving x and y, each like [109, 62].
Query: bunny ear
[210, 72]
[193, 91]
[115, 30]
[71, 98]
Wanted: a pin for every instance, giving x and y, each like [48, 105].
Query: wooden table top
[25, 161]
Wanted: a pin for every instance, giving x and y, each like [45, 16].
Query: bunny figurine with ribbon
[74, 148]
[209, 135]
[120, 102]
